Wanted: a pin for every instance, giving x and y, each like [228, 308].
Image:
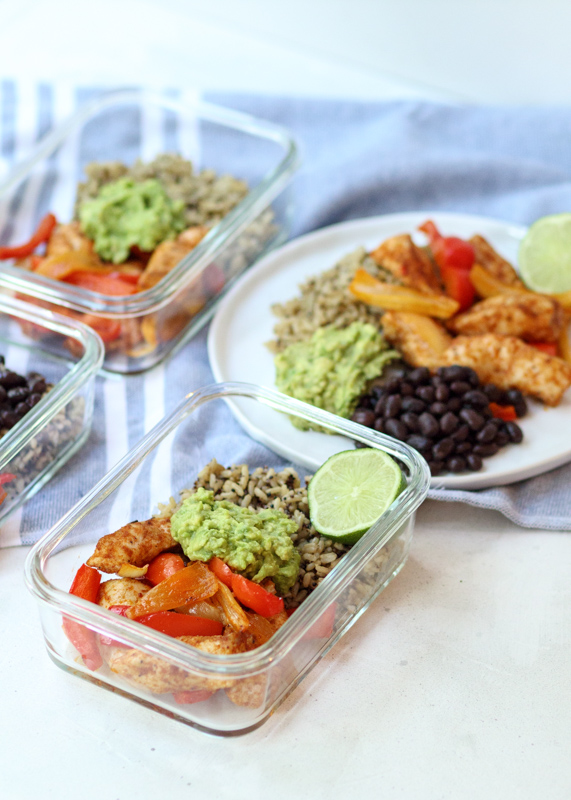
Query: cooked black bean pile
[446, 416]
[18, 394]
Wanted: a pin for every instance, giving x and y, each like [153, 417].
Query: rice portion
[325, 299]
[263, 487]
[207, 196]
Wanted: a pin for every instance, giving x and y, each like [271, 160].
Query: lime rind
[544, 256]
[351, 490]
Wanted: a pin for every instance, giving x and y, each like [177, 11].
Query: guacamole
[257, 544]
[331, 369]
[126, 213]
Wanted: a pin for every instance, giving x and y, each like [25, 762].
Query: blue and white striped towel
[360, 159]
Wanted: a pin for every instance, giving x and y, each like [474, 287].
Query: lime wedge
[351, 490]
[544, 256]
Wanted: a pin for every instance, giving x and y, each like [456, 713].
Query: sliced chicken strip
[136, 543]
[532, 317]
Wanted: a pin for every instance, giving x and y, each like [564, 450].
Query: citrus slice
[351, 490]
[544, 256]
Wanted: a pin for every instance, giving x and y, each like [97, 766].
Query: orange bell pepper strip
[41, 235]
[221, 570]
[194, 582]
[400, 298]
[58, 267]
[85, 585]
[110, 284]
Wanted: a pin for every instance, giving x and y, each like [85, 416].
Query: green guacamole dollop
[126, 213]
[331, 370]
[257, 544]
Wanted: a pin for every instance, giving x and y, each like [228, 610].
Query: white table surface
[455, 684]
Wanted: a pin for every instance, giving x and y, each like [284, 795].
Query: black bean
[380, 405]
[474, 462]
[454, 404]
[379, 425]
[456, 464]
[428, 425]
[407, 389]
[461, 433]
[443, 449]
[420, 443]
[493, 393]
[453, 373]
[3, 394]
[463, 447]
[502, 438]
[413, 404]
[438, 409]
[514, 432]
[520, 408]
[18, 394]
[10, 379]
[474, 420]
[460, 387]
[471, 376]
[449, 423]
[396, 428]
[488, 433]
[411, 421]
[436, 467]
[21, 409]
[486, 450]
[8, 419]
[442, 392]
[37, 385]
[362, 415]
[419, 375]
[513, 396]
[393, 405]
[393, 384]
[476, 399]
[425, 393]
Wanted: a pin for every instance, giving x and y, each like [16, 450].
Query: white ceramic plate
[244, 322]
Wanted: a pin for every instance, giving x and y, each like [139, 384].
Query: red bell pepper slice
[196, 696]
[254, 596]
[458, 286]
[85, 585]
[448, 251]
[507, 413]
[546, 347]
[111, 285]
[108, 329]
[5, 477]
[174, 624]
[221, 570]
[42, 234]
[163, 566]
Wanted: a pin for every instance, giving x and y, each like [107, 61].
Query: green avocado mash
[255, 543]
[331, 369]
[126, 213]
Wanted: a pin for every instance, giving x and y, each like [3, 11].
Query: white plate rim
[354, 233]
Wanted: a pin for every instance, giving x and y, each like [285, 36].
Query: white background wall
[501, 51]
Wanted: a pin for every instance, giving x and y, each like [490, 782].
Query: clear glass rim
[195, 262]
[48, 407]
[310, 610]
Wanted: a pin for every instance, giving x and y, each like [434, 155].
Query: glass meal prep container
[67, 354]
[141, 329]
[260, 679]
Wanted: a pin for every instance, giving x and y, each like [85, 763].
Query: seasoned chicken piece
[121, 592]
[248, 692]
[409, 263]
[167, 255]
[487, 257]
[69, 237]
[532, 317]
[136, 543]
[511, 363]
[159, 676]
[421, 340]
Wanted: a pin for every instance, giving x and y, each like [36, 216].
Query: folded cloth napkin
[359, 159]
